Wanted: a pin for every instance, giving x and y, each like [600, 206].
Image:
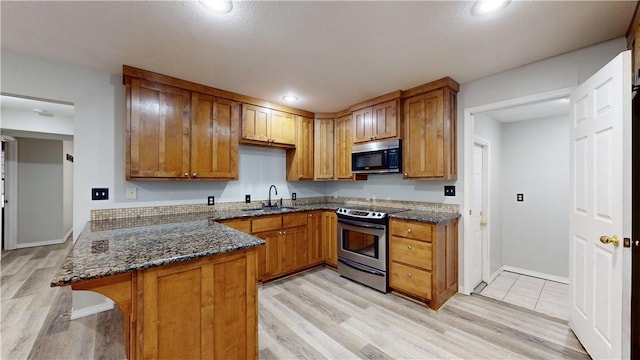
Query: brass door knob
[482, 222]
[610, 240]
[186, 174]
[409, 247]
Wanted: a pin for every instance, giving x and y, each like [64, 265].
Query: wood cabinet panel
[426, 267]
[411, 252]
[323, 149]
[266, 223]
[343, 143]
[294, 253]
[214, 137]
[314, 237]
[410, 279]
[243, 225]
[300, 159]
[363, 125]
[411, 229]
[200, 309]
[293, 220]
[429, 150]
[269, 254]
[255, 122]
[157, 130]
[283, 128]
[330, 237]
[385, 120]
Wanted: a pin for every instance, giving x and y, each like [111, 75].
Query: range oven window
[360, 243]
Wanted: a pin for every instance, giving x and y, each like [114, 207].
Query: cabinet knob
[405, 174]
[284, 233]
[300, 177]
[409, 231]
[194, 174]
[408, 274]
[409, 247]
[186, 174]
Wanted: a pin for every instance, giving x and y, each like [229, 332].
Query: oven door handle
[362, 224]
[360, 267]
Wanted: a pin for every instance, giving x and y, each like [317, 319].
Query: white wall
[67, 188]
[491, 130]
[535, 232]
[39, 192]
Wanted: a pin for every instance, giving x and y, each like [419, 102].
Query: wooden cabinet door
[323, 153]
[423, 147]
[243, 225]
[283, 128]
[300, 159]
[294, 252]
[214, 137]
[314, 237]
[255, 122]
[204, 309]
[269, 255]
[330, 237]
[343, 148]
[363, 125]
[385, 120]
[157, 130]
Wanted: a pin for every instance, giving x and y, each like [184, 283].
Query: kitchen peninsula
[186, 285]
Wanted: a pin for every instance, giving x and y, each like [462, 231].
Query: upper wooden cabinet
[429, 142]
[214, 137]
[263, 126]
[323, 160]
[157, 130]
[343, 142]
[300, 159]
[377, 119]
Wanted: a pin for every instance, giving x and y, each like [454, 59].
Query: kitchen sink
[269, 210]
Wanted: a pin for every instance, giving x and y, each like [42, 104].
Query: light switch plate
[211, 200]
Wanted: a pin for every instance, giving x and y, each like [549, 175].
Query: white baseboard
[66, 236]
[540, 275]
[39, 243]
[495, 274]
[94, 309]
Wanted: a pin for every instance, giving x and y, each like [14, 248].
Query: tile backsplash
[137, 212]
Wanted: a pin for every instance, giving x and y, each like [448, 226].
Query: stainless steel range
[363, 244]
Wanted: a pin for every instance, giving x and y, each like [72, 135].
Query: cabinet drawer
[411, 229]
[240, 225]
[410, 280]
[292, 220]
[411, 252]
[266, 223]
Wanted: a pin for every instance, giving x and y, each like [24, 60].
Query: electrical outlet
[449, 190]
[132, 193]
[520, 197]
[293, 196]
[211, 200]
[99, 193]
[247, 198]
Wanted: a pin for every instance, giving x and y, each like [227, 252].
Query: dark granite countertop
[425, 216]
[107, 248]
[111, 247]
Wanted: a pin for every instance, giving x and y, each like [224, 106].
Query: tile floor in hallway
[544, 296]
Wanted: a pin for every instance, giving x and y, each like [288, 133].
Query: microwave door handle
[361, 224]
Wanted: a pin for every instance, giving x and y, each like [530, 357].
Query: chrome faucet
[276, 189]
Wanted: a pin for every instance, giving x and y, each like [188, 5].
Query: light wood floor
[315, 315]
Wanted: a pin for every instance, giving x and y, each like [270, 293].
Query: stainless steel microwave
[377, 157]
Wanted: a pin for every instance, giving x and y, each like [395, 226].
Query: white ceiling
[331, 53]
[536, 110]
[52, 109]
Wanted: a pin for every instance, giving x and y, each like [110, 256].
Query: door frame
[486, 202]
[468, 141]
[11, 193]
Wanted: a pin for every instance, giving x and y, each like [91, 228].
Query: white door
[478, 212]
[600, 108]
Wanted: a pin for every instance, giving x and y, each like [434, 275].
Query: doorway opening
[37, 138]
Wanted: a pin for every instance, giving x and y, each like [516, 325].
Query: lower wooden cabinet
[423, 260]
[199, 309]
[330, 237]
[314, 237]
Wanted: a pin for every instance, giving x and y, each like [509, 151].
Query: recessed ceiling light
[219, 6]
[290, 98]
[484, 7]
